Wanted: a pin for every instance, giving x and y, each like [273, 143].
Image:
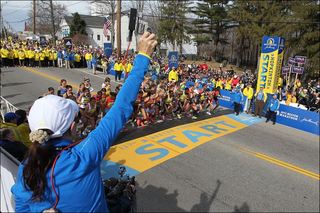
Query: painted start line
[143, 153]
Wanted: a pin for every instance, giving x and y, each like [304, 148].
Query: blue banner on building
[298, 118]
[107, 49]
[173, 59]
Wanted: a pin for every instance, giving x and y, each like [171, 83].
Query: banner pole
[289, 77]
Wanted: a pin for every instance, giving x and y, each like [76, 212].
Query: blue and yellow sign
[143, 153]
[269, 64]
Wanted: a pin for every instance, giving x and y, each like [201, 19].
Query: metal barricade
[5, 107]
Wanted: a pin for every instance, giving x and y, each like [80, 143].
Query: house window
[91, 35]
[98, 37]
[108, 38]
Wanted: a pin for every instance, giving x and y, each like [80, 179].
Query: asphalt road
[260, 168]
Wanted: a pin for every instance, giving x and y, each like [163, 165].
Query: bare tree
[108, 8]
[44, 17]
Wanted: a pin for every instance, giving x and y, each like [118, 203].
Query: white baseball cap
[54, 113]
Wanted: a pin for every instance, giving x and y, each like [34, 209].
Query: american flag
[106, 27]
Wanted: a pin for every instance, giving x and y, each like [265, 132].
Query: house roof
[91, 21]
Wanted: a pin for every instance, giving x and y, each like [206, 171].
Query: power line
[11, 22]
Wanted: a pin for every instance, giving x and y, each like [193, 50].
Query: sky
[16, 12]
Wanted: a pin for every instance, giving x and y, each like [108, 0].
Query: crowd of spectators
[166, 93]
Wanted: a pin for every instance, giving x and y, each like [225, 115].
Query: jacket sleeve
[96, 145]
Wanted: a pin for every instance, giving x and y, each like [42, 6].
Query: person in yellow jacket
[128, 69]
[77, 59]
[31, 54]
[10, 57]
[219, 83]
[51, 58]
[15, 56]
[42, 59]
[88, 58]
[228, 84]
[261, 98]
[118, 70]
[46, 52]
[280, 82]
[36, 58]
[10, 120]
[173, 75]
[248, 93]
[22, 56]
[291, 98]
[4, 56]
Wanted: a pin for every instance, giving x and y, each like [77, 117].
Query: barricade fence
[5, 107]
[297, 118]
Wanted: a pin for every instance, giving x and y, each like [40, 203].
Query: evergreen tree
[173, 26]
[78, 26]
[212, 22]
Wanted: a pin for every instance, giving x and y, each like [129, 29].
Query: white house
[94, 29]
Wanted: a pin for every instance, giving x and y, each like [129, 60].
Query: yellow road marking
[45, 75]
[282, 163]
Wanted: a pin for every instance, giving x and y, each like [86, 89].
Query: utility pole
[34, 17]
[53, 27]
[119, 28]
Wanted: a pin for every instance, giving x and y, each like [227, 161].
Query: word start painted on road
[146, 152]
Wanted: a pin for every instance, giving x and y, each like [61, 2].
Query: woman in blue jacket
[76, 177]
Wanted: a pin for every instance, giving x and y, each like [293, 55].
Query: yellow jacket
[117, 67]
[15, 53]
[77, 57]
[88, 56]
[42, 56]
[30, 54]
[173, 76]
[14, 129]
[128, 67]
[219, 84]
[36, 56]
[280, 82]
[248, 92]
[22, 55]
[4, 53]
[228, 85]
[24, 132]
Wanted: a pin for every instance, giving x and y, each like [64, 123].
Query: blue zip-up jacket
[77, 172]
[237, 97]
[274, 105]
[94, 60]
[60, 55]
[71, 57]
[66, 56]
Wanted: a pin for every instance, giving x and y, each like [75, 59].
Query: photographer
[76, 181]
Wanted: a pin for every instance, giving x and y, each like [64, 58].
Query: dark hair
[68, 86]
[38, 160]
[50, 89]
[22, 116]
[5, 133]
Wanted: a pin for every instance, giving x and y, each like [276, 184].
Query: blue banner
[298, 118]
[173, 59]
[287, 115]
[107, 49]
[227, 99]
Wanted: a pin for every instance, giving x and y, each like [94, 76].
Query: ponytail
[38, 160]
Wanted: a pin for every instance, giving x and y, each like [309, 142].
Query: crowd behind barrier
[166, 93]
